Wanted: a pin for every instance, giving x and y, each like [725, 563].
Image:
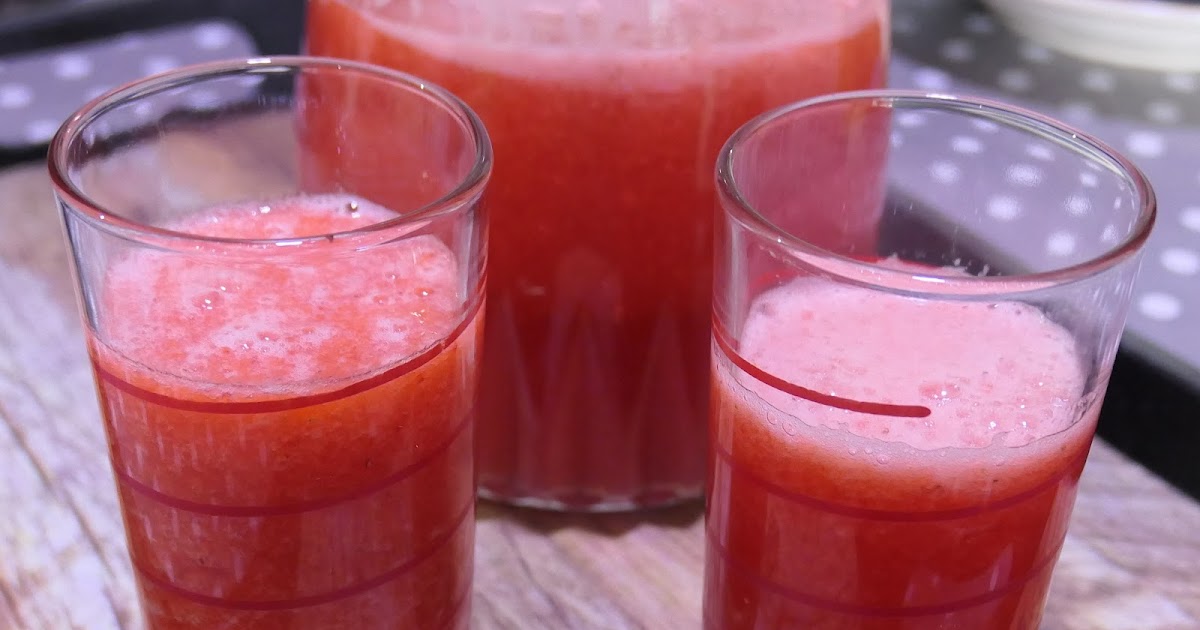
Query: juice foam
[1003, 385]
[989, 373]
[642, 48]
[281, 324]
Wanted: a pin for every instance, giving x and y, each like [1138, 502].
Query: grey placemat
[38, 90]
[956, 47]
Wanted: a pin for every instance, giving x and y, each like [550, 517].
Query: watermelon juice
[883, 462]
[606, 126]
[292, 438]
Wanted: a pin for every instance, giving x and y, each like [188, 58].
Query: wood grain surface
[1132, 561]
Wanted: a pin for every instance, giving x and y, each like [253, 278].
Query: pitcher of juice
[606, 118]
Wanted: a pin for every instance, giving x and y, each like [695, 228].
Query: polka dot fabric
[38, 90]
[1154, 118]
[939, 46]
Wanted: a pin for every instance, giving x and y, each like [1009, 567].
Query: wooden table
[1132, 561]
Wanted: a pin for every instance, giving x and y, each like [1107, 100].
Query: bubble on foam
[318, 335]
[940, 392]
[209, 300]
[393, 331]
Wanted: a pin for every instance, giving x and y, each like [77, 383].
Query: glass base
[597, 504]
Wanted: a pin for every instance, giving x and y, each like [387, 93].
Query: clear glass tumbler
[898, 430]
[607, 117]
[284, 321]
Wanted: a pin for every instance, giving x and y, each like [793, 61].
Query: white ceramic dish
[1149, 34]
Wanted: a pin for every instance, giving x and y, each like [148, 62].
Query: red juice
[292, 440]
[883, 462]
[594, 390]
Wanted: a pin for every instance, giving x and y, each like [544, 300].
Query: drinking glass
[898, 429]
[284, 317]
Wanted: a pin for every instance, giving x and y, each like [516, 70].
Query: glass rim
[82, 205]
[877, 276]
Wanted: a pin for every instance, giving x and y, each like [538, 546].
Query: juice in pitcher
[606, 120]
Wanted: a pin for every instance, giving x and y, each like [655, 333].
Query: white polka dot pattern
[932, 79]
[986, 126]
[1036, 53]
[1190, 218]
[1162, 307]
[41, 130]
[1078, 205]
[1163, 112]
[1003, 208]
[904, 24]
[72, 67]
[945, 172]
[15, 95]
[1184, 262]
[979, 24]
[1033, 206]
[1110, 235]
[215, 36]
[1041, 152]
[1060, 244]
[910, 119]
[1078, 112]
[958, 50]
[1024, 175]
[966, 144]
[1145, 144]
[1097, 80]
[155, 64]
[1016, 80]
[1185, 83]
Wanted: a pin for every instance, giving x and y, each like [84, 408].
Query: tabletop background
[1131, 562]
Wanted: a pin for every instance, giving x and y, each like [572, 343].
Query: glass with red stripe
[900, 422]
[284, 330]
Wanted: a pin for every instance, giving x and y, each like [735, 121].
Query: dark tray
[25, 25]
[42, 29]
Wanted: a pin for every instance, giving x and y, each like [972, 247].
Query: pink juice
[292, 437]
[606, 126]
[919, 474]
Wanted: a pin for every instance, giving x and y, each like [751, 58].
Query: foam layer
[629, 23]
[583, 40]
[330, 312]
[990, 373]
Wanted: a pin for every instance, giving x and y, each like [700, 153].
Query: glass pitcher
[606, 119]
